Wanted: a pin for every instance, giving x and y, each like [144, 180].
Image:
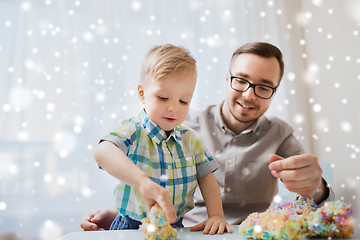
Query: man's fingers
[294, 162]
[274, 157]
[301, 174]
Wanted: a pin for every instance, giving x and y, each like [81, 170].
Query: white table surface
[183, 234]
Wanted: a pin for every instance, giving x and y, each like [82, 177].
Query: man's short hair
[261, 49]
[163, 60]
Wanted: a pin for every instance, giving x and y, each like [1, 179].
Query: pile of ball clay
[300, 219]
[156, 226]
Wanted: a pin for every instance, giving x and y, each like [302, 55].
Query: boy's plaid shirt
[174, 162]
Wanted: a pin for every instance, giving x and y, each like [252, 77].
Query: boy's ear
[141, 93]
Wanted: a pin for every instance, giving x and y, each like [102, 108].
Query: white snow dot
[291, 76]
[100, 97]
[277, 199]
[299, 119]
[77, 129]
[88, 36]
[3, 206]
[50, 107]
[346, 127]
[86, 192]
[317, 107]
[136, 5]
[63, 153]
[26, 6]
[6, 107]
[47, 178]
[257, 228]
[61, 180]
[317, 2]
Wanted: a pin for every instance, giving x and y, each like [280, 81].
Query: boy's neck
[168, 133]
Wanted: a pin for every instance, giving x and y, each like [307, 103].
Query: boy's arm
[115, 162]
[216, 222]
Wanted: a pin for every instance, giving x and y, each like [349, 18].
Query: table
[183, 234]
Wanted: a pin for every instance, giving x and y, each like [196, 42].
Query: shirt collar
[220, 121]
[154, 131]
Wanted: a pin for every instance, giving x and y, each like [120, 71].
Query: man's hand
[300, 174]
[99, 220]
[153, 193]
[212, 226]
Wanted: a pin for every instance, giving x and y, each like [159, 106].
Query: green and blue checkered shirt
[174, 162]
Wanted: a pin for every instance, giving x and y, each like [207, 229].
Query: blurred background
[70, 68]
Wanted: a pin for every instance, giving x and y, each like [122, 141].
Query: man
[253, 151]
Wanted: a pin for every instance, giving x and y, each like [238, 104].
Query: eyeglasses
[242, 85]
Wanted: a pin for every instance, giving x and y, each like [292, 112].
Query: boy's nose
[173, 108]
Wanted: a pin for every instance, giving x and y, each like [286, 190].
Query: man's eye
[183, 102]
[163, 98]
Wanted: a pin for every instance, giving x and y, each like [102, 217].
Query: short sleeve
[123, 137]
[205, 163]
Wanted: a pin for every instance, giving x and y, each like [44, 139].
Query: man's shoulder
[195, 115]
[275, 122]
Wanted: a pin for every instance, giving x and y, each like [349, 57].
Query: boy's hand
[153, 193]
[212, 226]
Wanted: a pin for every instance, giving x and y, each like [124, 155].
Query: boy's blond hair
[163, 60]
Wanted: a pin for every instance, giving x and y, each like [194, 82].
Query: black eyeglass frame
[251, 85]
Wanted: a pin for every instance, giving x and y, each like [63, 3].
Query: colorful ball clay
[156, 226]
[296, 220]
[333, 219]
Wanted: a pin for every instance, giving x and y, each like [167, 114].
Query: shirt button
[228, 189]
[234, 140]
[230, 161]
[169, 166]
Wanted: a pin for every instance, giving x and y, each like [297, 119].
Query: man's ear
[141, 93]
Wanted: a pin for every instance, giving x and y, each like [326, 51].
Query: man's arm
[300, 174]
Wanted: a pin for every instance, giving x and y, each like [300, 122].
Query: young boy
[154, 156]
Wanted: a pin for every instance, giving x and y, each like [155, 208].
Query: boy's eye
[183, 102]
[163, 98]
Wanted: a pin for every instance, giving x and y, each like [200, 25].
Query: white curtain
[69, 71]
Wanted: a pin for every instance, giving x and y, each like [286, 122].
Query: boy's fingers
[221, 228]
[169, 211]
[198, 227]
[228, 228]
